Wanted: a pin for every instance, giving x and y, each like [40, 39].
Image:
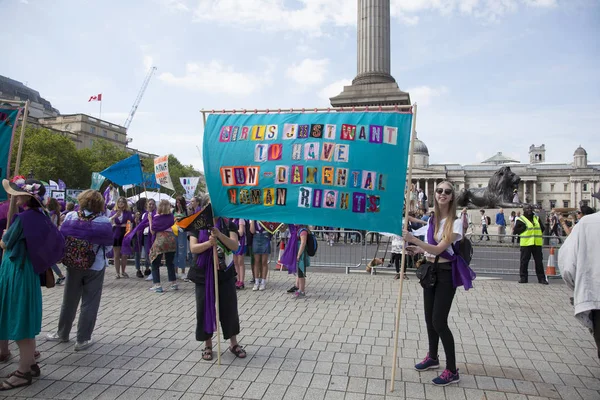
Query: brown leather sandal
[5, 357]
[35, 371]
[6, 385]
[207, 354]
[238, 351]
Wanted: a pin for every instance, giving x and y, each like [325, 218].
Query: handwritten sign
[161, 170]
[329, 169]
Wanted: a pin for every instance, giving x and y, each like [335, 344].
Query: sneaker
[256, 286]
[156, 289]
[53, 337]
[252, 280]
[139, 274]
[147, 271]
[186, 279]
[83, 345]
[427, 363]
[299, 294]
[238, 285]
[60, 281]
[149, 277]
[293, 289]
[262, 286]
[446, 378]
[174, 286]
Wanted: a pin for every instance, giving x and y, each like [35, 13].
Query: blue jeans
[57, 270]
[169, 257]
[182, 249]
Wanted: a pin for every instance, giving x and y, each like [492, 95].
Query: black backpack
[488, 219]
[424, 197]
[464, 249]
[311, 243]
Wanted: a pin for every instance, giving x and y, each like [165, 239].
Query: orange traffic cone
[279, 266]
[551, 268]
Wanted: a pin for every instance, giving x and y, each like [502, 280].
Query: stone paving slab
[513, 342]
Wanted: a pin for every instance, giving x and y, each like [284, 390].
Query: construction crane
[139, 98]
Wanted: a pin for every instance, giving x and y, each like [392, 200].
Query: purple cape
[205, 260]
[127, 216]
[99, 233]
[290, 254]
[162, 222]
[45, 243]
[462, 274]
[138, 232]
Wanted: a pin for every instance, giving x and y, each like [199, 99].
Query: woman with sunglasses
[446, 230]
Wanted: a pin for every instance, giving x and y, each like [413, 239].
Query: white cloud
[175, 5]
[216, 77]
[333, 89]
[424, 95]
[308, 71]
[24, 1]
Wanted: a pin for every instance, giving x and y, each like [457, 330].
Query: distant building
[547, 184]
[15, 90]
[88, 129]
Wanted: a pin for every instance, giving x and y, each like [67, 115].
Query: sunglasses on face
[447, 192]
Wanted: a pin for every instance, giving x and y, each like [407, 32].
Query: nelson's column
[373, 84]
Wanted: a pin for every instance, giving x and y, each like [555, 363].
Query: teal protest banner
[8, 123]
[337, 169]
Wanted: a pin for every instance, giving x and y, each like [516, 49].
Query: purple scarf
[290, 254]
[138, 232]
[127, 216]
[99, 233]
[462, 274]
[45, 244]
[4, 206]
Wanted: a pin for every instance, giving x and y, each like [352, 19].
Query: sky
[487, 75]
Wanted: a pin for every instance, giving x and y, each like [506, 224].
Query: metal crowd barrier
[337, 249]
[501, 254]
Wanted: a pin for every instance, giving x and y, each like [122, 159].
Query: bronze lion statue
[498, 193]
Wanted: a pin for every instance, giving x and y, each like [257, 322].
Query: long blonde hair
[448, 230]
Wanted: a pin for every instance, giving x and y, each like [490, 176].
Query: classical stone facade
[544, 183]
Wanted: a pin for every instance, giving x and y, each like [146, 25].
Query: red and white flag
[98, 97]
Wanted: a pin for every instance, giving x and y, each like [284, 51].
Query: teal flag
[8, 123]
[97, 181]
[338, 169]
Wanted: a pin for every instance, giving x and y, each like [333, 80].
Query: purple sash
[127, 216]
[99, 233]
[462, 274]
[290, 254]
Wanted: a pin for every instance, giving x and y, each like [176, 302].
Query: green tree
[49, 155]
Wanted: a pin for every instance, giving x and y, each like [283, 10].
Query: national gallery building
[544, 183]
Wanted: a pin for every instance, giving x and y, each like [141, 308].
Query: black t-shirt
[225, 227]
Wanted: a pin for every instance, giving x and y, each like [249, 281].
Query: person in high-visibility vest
[529, 227]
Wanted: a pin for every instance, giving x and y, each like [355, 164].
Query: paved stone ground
[513, 342]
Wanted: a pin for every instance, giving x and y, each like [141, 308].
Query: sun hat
[19, 186]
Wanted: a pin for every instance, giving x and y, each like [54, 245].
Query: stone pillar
[572, 186]
[524, 192]
[534, 192]
[427, 191]
[373, 84]
[373, 42]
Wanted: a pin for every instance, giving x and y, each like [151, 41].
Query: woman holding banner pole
[441, 232]
[202, 243]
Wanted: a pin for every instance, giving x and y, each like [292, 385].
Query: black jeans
[484, 231]
[526, 253]
[438, 301]
[170, 261]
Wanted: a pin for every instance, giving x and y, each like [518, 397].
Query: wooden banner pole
[403, 259]
[398, 108]
[22, 138]
[216, 274]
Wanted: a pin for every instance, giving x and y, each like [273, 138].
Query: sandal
[5, 357]
[117, 276]
[124, 275]
[37, 354]
[6, 385]
[207, 354]
[238, 351]
[35, 371]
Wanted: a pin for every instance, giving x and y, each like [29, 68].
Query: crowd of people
[85, 236]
